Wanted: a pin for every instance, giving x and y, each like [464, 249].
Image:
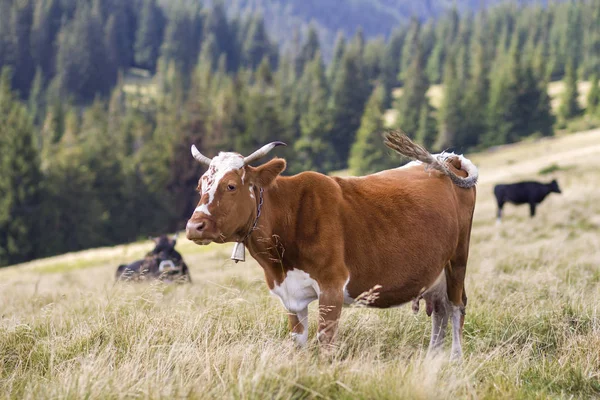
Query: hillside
[376, 17]
[67, 331]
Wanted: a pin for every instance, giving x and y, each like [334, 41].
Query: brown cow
[402, 234]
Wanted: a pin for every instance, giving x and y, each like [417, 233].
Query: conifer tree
[338, 54]
[427, 133]
[414, 95]
[20, 29]
[100, 153]
[46, 25]
[503, 107]
[149, 35]
[368, 151]
[445, 34]
[373, 60]
[73, 209]
[592, 40]
[573, 39]
[312, 151]
[224, 40]
[411, 49]
[288, 101]
[257, 45]
[534, 105]
[308, 50]
[450, 113]
[349, 94]
[36, 101]
[262, 123]
[209, 53]
[391, 64]
[461, 50]
[116, 39]
[569, 105]
[20, 181]
[181, 42]
[5, 50]
[593, 99]
[83, 67]
[477, 88]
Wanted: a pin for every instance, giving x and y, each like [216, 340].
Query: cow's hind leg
[499, 214]
[455, 274]
[439, 324]
[436, 300]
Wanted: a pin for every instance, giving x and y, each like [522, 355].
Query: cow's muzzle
[201, 230]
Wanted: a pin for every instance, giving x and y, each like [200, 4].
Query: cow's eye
[230, 187]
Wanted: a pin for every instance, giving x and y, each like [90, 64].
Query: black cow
[163, 262]
[530, 192]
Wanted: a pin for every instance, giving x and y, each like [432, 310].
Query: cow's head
[164, 244]
[554, 186]
[228, 194]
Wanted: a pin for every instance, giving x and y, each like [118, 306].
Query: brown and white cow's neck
[271, 239]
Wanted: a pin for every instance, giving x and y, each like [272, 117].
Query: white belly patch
[347, 299]
[297, 290]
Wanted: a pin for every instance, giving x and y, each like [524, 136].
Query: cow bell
[239, 252]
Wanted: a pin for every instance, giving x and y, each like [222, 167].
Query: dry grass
[532, 327]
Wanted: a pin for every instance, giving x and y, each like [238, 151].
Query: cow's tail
[398, 141]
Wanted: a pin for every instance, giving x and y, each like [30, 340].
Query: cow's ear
[265, 175]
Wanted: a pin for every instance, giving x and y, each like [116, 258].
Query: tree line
[86, 162]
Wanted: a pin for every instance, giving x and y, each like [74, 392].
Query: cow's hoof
[456, 357]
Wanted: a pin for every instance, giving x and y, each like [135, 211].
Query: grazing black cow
[530, 192]
[163, 262]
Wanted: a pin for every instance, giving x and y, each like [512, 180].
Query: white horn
[262, 152]
[202, 159]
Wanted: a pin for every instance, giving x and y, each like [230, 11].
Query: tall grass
[532, 328]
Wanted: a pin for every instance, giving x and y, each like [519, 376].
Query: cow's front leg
[532, 209]
[331, 300]
[299, 326]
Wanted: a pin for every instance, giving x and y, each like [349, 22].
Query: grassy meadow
[532, 328]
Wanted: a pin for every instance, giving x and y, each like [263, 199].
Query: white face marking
[297, 291]
[252, 191]
[203, 209]
[218, 168]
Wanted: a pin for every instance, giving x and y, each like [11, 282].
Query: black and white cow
[529, 192]
[163, 262]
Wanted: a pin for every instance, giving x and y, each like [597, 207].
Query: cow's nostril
[201, 226]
